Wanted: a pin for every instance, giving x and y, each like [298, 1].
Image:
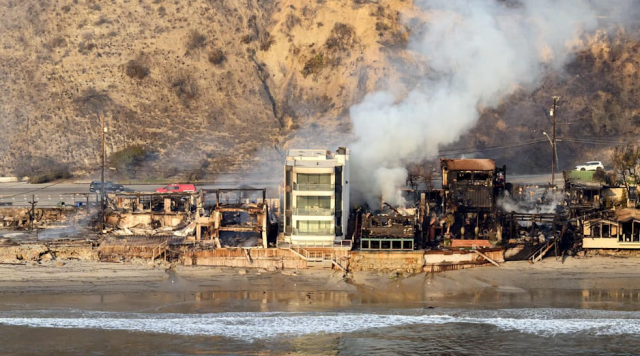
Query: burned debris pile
[390, 230]
[165, 225]
[235, 218]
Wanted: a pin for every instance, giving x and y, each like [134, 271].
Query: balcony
[305, 187]
[313, 212]
[317, 232]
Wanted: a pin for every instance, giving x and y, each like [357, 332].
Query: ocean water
[437, 331]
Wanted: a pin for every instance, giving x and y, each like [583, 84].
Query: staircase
[159, 250]
[540, 252]
[537, 255]
[317, 258]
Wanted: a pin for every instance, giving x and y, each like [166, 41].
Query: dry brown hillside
[224, 81]
[228, 82]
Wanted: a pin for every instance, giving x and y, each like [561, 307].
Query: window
[304, 178]
[313, 226]
[313, 202]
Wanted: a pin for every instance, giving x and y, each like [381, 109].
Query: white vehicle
[590, 166]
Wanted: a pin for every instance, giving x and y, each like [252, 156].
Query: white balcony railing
[313, 212]
[306, 187]
[317, 232]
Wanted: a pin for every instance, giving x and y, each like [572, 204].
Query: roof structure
[468, 164]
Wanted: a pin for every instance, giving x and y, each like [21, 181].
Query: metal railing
[313, 211]
[319, 232]
[313, 187]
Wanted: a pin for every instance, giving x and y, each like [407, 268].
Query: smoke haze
[477, 52]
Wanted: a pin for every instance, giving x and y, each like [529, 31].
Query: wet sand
[592, 283]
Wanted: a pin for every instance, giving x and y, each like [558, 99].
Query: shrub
[266, 44]
[185, 87]
[43, 170]
[128, 158]
[50, 175]
[381, 26]
[196, 40]
[92, 101]
[342, 37]
[216, 56]
[103, 20]
[58, 42]
[313, 65]
[135, 69]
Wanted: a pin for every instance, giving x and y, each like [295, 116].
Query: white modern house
[316, 197]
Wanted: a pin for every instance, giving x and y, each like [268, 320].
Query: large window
[318, 206]
[304, 202]
[319, 227]
[305, 178]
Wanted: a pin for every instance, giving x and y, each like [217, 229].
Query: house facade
[316, 197]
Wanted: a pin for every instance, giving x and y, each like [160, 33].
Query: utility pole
[554, 155]
[102, 159]
[32, 213]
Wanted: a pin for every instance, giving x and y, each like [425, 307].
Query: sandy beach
[588, 282]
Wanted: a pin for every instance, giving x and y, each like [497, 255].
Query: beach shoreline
[592, 282]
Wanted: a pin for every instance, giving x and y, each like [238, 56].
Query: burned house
[471, 184]
[471, 188]
[220, 217]
[390, 229]
[149, 213]
[234, 217]
[316, 197]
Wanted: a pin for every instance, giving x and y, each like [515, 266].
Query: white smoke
[477, 51]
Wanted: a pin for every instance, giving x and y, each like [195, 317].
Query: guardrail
[313, 212]
[319, 232]
[306, 187]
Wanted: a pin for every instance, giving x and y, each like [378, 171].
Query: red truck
[177, 188]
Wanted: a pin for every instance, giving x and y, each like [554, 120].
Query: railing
[317, 258]
[306, 187]
[319, 232]
[162, 247]
[343, 243]
[540, 252]
[313, 212]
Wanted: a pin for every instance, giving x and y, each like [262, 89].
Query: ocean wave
[253, 326]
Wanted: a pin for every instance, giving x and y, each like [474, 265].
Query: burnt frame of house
[388, 232]
[469, 184]
[226, 217]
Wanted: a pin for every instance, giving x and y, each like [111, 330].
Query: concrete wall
[236, 257]
[387, 261]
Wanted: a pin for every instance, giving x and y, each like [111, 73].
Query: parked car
[590, 166]
[108, 187]
[177, 188]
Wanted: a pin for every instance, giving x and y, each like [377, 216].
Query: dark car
[108, 187]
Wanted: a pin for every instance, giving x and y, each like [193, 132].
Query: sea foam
[252, 326]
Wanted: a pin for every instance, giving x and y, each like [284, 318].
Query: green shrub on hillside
[128, 159]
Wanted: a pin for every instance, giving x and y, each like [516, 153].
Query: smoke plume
[477, 52]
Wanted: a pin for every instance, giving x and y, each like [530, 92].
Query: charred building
[390, 229]
[472, 184]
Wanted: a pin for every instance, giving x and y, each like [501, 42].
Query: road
[50, 194]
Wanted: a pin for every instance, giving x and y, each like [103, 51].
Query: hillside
[228, 85]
